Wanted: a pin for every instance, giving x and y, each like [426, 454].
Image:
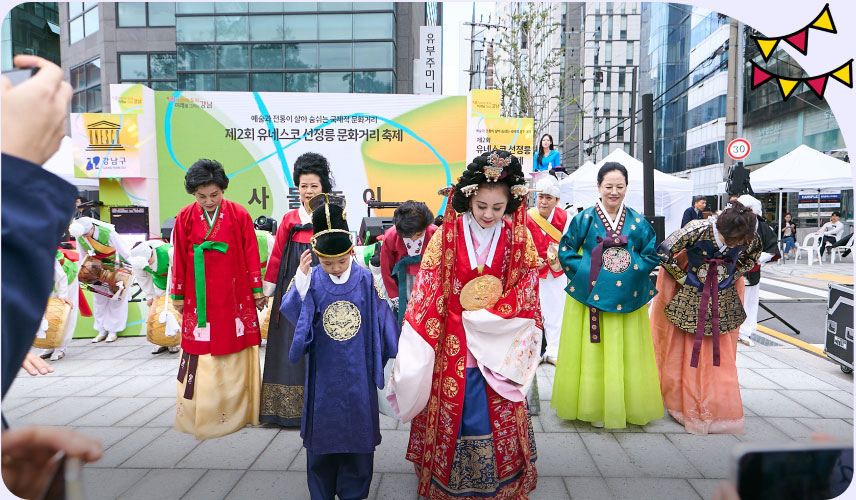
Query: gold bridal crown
[495, 166]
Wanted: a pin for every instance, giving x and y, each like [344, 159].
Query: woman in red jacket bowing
[282, 383]
[217, 287]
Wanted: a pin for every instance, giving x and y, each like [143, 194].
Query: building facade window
[631, 47]
[82, 20]
[622, 32]
[86, 85]
[156, 70]
[145, 14]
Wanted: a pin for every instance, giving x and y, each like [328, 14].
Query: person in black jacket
[696, 211]
[769, 252]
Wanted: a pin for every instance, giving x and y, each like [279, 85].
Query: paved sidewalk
[125, 396]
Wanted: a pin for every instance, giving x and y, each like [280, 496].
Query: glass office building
[31, 28]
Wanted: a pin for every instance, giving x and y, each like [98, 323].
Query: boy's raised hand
[305, 261]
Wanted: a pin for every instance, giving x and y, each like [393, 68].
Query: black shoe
[845, 253]
[159, 349]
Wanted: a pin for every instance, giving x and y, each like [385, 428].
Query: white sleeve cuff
[268, 288]
[410, 381]
[301, 281]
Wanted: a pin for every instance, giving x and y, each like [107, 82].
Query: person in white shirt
[152, 263]
[831, 231]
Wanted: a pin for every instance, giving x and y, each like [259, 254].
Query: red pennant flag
[759, 76]
[818, 84]
[799, 41]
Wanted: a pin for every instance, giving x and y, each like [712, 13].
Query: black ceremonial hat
[331, 237]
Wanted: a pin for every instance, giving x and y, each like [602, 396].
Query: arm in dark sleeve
[35, 213]
[689, 215]
[388, 261]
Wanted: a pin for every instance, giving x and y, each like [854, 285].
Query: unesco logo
[103, 136]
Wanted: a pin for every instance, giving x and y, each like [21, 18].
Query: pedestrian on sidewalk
[471, 342]
[547, 222]
[606, 373]
[345, 332]
[282, 383]
[217, 287]
[694, 212]
[830, 232]
[702, 269]
[152, 263]
[789, 235]
[769, 253]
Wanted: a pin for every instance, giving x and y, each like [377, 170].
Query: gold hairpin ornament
[495, 166]
[519, 191]
[470, 190]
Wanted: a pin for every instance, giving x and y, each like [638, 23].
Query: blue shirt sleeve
[555, 160]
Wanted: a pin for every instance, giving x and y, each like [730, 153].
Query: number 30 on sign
[738, 149]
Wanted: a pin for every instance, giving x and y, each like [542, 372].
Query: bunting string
[787, 85]
[798, 39]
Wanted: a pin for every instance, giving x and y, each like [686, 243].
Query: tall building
[241, 46]
[31, 28]
[611, 45]
[571, 116]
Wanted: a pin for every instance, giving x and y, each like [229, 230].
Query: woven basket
[155, 330]
[57, 314]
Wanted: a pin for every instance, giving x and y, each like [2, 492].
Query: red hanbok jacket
[392, 251]
[542, 240]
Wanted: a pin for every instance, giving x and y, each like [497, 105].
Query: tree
[530, 69]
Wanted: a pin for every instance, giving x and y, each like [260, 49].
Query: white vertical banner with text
[430, 62]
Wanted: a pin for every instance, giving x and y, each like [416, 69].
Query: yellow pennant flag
[845, 74]
[824, 21]
[767, 45]
[787, 86]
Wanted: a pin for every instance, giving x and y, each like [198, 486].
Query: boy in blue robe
[347, 332]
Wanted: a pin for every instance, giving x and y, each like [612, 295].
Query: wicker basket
[155, 330]
[57, 314]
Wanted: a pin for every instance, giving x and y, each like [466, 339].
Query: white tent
[672, 195]
[803, 169]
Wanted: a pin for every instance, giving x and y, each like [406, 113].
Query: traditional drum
[56, 315]
[156, 329]
[102, 279]
[265, 314]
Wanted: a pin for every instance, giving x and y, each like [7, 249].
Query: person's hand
[34, 111]
[26, 452]
[70, 303]
[179, 307]
[261, 303]
[305, 261]
[726, 491]
[149, 302]
[35, 365]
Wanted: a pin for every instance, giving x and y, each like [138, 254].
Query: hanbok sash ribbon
[615, 240]
[709, 294]
[399, 270]
[199, 276]
[188, 367]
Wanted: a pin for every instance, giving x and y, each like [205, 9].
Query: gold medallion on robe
[481, 293]
[341, 320]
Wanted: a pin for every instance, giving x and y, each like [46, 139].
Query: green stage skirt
[614, 381]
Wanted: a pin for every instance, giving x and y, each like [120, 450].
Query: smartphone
[803, 471]
[20, 75]
[65, 479]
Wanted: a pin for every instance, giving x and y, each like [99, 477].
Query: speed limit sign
[738, 149]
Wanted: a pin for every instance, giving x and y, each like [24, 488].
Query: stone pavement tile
[563, 454]
[747, 362]
[397, 486]
[235, 451]
[157, 366]
[582, 426]
[820, 403]
[164, 451]
[652, 489]
[765, 360]
[163, 484]
[663, 425]
[112, 412]
[656, 455]
[139, 384]
[843, 397]
[705, 487]
[215, 484]
[389, 456]
[30, 406]
[10, 403]
[792, 428]
[57, 387]
[69, 365]
[769, 403]
[611, 459]
[588, 488]
[165, 419]
[299, 462]
[536, 424]
[550, 488]
[148, 412]
[269, 484]
[281, 451]
[25, 384]
[165, 389]
[759, 430]
[710, 455]
[63, 411]
[374, 486]
[138, 352]
[791, 378]
[108, 484]
[387, 422]
[107, 367]
[127, 447]
[107, 435]
[749, 379]
[106, 351]
[403, 426]
[545, 389]
[105, 384]
[552, 423]
[833, 426]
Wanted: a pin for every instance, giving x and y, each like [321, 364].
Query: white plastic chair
[811, 246]
[840, 251]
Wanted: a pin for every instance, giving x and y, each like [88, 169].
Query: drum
[102, 279]
[265, 315]
[155, 330]
[56, 314]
